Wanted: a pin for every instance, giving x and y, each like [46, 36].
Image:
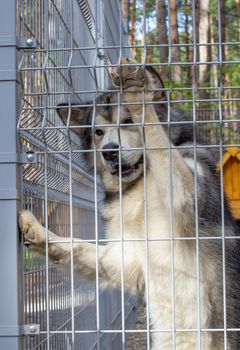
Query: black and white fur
[170, 195]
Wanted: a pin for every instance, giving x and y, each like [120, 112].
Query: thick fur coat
[172, 240]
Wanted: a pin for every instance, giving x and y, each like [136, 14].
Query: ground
[138, 341]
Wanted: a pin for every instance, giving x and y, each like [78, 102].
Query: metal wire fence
[71, 47]
[63, 198]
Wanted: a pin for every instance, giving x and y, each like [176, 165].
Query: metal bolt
[29, 42]
[100, 55]
[30, 156]
[32, 328]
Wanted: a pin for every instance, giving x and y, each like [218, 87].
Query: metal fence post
[10, 291]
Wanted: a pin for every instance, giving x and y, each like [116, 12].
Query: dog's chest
[134, 218]
[136, 214]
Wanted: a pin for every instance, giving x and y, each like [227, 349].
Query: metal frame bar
[10, 275]
[52, 175]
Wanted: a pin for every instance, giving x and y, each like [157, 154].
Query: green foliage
[230, 71]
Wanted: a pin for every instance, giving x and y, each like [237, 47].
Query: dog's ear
[155, 84]
[75, 115]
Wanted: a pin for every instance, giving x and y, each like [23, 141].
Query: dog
[174, 242]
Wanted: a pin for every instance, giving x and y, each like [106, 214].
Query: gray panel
[10, 292]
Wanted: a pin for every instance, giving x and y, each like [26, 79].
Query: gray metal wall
[10, 309]
[38, 75]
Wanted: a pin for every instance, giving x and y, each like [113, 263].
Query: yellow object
[231, 176]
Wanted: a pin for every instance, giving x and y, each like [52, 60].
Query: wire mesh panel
[130, 109]
[57, 187]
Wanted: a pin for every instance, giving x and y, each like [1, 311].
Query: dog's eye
[128, 120]
[99, 132]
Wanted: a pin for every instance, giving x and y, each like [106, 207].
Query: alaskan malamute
[172, 239]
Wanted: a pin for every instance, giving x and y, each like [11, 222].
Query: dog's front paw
[31, 229]
[129, 74]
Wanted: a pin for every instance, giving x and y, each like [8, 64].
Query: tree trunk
[223, 28]
[213, 54]
[161, 37]
[238, 17]
[176, 72]
[203, 37]
[195, 74]
[235, 103]
[188, 51]
[133, 26]
[224, 49]
[125, 8]
[197, 18]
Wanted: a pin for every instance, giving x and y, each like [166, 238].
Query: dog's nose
[110, 152]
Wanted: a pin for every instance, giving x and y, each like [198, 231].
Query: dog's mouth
[127, 169]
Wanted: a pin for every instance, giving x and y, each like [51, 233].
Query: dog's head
[111, 127]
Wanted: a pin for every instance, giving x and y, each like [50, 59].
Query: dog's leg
[158, 155]
[143, 85]
[84, 255]
[159, 163]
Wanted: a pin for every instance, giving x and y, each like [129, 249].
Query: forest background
[192, 44]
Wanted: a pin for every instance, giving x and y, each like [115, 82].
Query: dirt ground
[138, 341]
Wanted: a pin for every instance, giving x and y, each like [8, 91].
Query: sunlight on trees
[192, 46]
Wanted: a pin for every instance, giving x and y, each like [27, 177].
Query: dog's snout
[110, 152]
